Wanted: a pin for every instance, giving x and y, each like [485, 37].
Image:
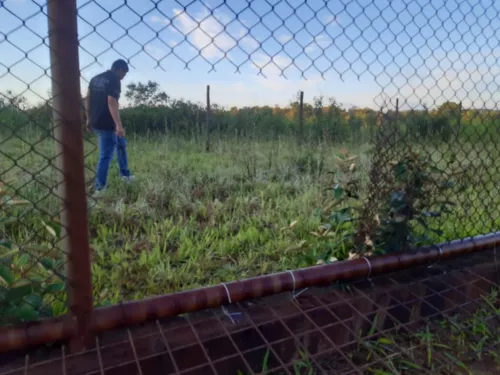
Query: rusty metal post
[68, 133]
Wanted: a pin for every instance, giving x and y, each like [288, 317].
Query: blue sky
[363, 52]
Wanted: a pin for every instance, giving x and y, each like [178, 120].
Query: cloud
[205, 32]
[322, 41]
[156, 52]
[248, 41]
[282, 65]
[163, 21]
[285, 38]
[276, 78]
[329, 19]
[310, 48]
[473, 85]
[271, 65]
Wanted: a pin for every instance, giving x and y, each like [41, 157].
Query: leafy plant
[399, 216]
[342, 208]
[25, 279]
[414, 192]
[333, 239]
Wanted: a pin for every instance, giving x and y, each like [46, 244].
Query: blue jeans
[108, 142]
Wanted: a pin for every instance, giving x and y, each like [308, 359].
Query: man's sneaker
[128, 179]
[98, 193]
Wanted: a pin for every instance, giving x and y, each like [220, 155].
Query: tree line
[152, 111]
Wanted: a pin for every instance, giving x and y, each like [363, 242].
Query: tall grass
[195, 218]
[250, 206]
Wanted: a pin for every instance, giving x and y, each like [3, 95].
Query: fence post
[207, 129]
[301, 116]
[68, 133]
[396, 123]
[459, 120]
[198, 132]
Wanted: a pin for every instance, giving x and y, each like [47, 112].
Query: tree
[147, 95]
[449, 109]
[11, 100]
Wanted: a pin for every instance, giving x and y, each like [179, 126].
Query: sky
[364, 53]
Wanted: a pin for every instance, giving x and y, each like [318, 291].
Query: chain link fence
[415, 159]
[44, 248]
[32, 258]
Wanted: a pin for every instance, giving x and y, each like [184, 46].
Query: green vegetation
[459, 344]
[30, 277]
[464, 344]
[258, 201]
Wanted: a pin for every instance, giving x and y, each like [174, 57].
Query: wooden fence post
[459, 120]
[207, 128]
[396, 123]
[301, 116]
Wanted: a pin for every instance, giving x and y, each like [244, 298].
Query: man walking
[103, 117]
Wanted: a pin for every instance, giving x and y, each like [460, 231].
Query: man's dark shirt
[100, 87]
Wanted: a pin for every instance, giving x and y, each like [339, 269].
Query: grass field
[194, 218]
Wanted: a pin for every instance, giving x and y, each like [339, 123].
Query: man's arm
[114, 110]
[86, 104]
[114, 90]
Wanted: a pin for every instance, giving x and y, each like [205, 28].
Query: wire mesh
[432, 119]
[432, 127]
[44, 221]
[32, 259]
[434, 319]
